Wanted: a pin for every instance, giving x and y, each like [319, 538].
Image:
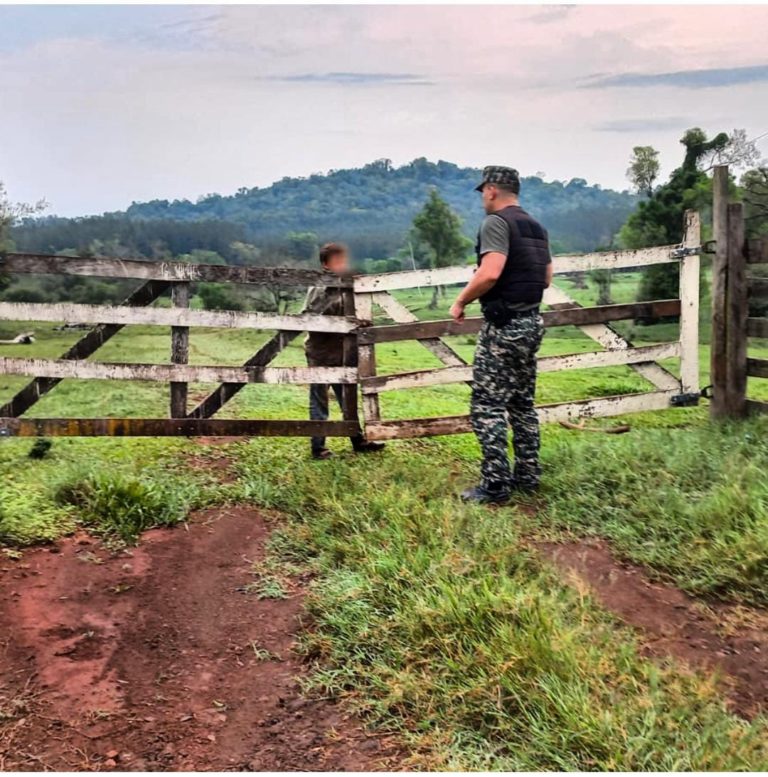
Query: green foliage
[219, 296]
[658, 220]
[371, 208]
[644, 169]
[125, 504]
[754, 183]
[437, 226]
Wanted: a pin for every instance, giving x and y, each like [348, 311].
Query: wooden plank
[756, 407]
[757, 327]
[179, 351]
[757, 368]
[171, 427]
[574, 361]
[561, 411]
[168, 271]
[758, 288]
[87, 345]
[214, 319]
[174, 373]
[569, 263]
[349, 360]
[366, 366]
[689, 305]
[718, 347]
[736, 313]
[399, 313]
[609, 338]
[563, 316]
[757, 251]
[211, 405]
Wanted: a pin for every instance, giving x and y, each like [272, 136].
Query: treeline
[371, 208]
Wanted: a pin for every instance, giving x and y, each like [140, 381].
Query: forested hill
[371, 207]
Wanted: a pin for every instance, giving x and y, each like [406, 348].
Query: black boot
[482, 495]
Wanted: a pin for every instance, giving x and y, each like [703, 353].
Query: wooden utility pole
[736, 314]
[718, 345]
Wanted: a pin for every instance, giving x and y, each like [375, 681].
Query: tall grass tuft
[125, 504]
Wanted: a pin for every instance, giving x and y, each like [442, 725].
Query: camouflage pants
[503, 389]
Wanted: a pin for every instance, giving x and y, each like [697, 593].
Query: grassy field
[436, 619]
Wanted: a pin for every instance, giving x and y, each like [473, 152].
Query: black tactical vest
[524, 275]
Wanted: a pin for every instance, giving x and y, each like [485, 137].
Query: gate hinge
[690, 398]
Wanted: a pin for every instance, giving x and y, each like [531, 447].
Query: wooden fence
[360, 295]
[735, 289]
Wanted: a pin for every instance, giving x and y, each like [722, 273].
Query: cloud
[355, 79]
[554, 13]
[643, 125]
[686, 79]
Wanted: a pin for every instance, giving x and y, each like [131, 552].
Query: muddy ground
[162, 657]
[729, 640]
[165, 656]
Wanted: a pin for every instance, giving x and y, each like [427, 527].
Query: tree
[10, 213]
[658, 220]
[643, 169]
[437, 226]
[738, 153]
[755, 187]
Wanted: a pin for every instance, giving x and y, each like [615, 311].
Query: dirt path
[732, 640]
[161, 658]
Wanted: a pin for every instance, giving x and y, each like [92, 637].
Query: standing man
[324, 349]
[514, 267]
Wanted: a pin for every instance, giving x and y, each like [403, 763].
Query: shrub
[125, 504]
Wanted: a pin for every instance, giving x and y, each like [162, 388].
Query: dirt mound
[162, 657]
[732, 640]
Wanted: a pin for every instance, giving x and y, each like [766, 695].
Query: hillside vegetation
[371, 207]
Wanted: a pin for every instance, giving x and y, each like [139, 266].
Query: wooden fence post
[718, 344]
[350, 359]
[366, 355]
[736, 314]
[689, 306]
[179, 351]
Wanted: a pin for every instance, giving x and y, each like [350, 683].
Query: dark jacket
[325, 349]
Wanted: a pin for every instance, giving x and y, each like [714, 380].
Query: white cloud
[180, 101]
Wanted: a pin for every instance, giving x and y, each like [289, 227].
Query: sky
[104, 105]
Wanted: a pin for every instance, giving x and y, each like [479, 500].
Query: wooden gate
[595, 322]
[360, 294]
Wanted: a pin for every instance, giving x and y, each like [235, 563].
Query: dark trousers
[318, 411]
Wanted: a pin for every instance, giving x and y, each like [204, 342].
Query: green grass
[436, 619]
[439, 622]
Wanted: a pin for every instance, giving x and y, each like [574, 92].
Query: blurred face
[338, 263]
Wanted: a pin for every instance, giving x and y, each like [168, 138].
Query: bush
[124, 504]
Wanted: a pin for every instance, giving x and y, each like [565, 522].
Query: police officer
[514, 266]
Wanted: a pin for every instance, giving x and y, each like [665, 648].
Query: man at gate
[514, 266]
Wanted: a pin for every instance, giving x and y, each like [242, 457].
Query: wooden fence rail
[361, 295]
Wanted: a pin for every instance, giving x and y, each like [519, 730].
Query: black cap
[504, 176]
